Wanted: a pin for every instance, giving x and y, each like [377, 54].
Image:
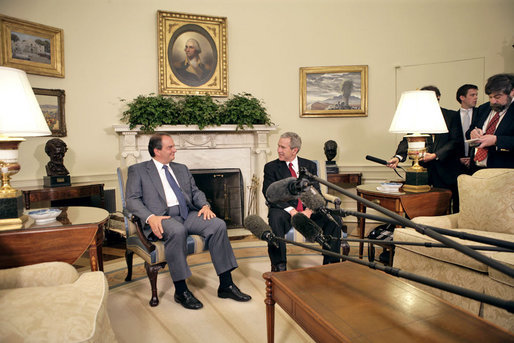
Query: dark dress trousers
[502, 154]
[280, 220]
[145, 196]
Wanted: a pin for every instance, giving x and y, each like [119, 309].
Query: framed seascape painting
[192, 54]
[334, 91]
[51, 102]
[35, 48]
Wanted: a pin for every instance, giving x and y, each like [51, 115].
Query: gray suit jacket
[145, 193]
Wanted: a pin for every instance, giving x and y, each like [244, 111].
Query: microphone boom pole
[421, 229]
[462, 235]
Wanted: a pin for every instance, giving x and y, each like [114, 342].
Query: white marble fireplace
[211, 148]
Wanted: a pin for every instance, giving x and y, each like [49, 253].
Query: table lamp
[418, 114]
[20, 116]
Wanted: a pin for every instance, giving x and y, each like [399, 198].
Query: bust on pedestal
[330, 152]
[57, 174]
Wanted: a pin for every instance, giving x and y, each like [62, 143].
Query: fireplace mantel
[223, 146]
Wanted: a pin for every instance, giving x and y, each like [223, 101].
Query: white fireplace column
[213, 147]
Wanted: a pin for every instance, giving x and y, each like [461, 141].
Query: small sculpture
[331, 152]
[55, 148]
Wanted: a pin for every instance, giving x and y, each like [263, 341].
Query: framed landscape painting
[35, 48]
[192, 54]
[334, 91]
[51, 102]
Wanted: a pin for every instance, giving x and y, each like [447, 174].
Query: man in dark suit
[164, 196]
[280, 213]
[441, 158]
[493, 127]
[467, 96]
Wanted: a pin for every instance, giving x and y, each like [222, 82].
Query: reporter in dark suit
[172, 214]
[467, 96]
[279, 214]
[498, 145]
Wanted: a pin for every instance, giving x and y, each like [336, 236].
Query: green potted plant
[151, 111]
[155, 110]
[244, 109]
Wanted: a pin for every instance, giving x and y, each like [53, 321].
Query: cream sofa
[51, 302]
[486, 209]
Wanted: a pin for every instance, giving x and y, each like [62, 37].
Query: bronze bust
[56, 148]
[330, 149]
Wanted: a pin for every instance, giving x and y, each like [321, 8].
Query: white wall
[111, 53]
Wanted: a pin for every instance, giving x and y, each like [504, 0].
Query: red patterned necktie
[481, 153]
[299, 207]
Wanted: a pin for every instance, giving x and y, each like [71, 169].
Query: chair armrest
[139, 231]
[445, 222]
[332, 199]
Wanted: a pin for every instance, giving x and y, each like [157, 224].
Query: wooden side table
[435, 202]
[344, 180]
[76, 230]
[75, 191]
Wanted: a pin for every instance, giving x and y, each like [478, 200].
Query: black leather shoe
[233, 292]
[280, 267]
[188, 300]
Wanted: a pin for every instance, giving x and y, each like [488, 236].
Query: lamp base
[11, 207]
[416, 181]
[56, 181]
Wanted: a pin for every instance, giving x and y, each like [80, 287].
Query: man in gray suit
[164, 196]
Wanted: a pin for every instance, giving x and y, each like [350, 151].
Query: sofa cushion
[487, 200]
[73, 312]
[453, 256]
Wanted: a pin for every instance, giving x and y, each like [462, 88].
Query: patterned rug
[221, 320]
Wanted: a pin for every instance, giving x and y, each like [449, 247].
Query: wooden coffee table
[77, 230]
[347, 302]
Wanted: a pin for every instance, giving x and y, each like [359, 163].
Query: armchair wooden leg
[128, 258]
[152, 271]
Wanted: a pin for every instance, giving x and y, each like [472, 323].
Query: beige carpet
[221, 320]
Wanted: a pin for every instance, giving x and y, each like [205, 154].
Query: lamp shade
[418, 112]
[20, 113]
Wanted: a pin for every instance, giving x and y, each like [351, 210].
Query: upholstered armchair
[51, 302]
[151, 252]
[486, 209]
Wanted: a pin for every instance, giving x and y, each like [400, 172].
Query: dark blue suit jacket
[277, 170]
[501, 155]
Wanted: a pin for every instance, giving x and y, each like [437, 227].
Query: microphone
[309, 229]
[312, 199]
[260, 229]
[286, 189]
[376, 160]
[315, 201]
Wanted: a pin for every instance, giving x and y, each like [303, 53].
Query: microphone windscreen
[312, 199]
[279, 191]
[308, 228]
[256, 225]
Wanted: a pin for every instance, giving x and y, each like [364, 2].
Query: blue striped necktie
[176, 189]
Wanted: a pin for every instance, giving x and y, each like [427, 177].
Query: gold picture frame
[334, 91]
[179, 73]
[35, 48]
[51, 102]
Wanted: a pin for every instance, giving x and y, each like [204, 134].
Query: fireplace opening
[225, 193]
